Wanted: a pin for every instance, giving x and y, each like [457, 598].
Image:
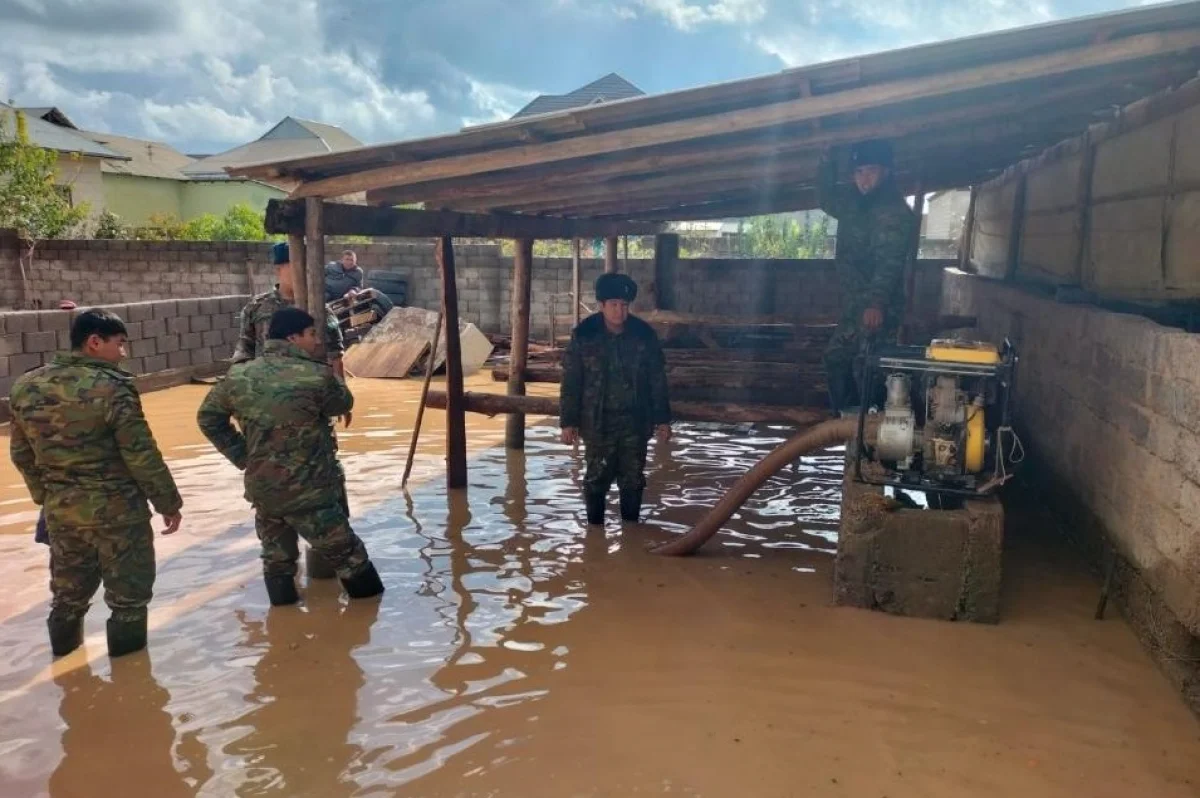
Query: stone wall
[163, 335]
[1108, 407]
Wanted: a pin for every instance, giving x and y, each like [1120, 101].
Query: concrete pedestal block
[926, 563]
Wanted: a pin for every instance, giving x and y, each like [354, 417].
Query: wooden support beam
[610, 255]
[492, 404]
[314, 243]
[340, 219]
[910, 267]
[576, 298]
[1061, 62]
[666, 257]
[514, 433]
[968, 234]
[456, 420]
[1085, 203]
[1016, 230]
[299, 259]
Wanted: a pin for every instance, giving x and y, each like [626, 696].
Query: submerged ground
[516, 653]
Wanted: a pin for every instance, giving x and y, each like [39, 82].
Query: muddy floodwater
[516, 653]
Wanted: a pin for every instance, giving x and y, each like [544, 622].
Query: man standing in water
[614, 397]
[256, 316]
[83, 446]
[285, 402]
[874, 237]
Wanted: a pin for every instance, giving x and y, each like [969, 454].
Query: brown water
[517, 654]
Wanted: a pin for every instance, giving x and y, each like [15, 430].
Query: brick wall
[163, 335]
[1108, 406]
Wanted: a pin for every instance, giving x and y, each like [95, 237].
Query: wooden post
[429, 364]
[968, 235]
[625, 259]
[910, 277]
[575, 289]
[314, 242]
[514, 431]
[1085, 205]
[1016, 230]
[456, 417]
[610, 255]
[666, 253]
[296, 253]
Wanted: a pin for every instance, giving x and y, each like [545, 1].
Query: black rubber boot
[595, 507]
[317, 566]
[281, 590]
[66, 635]
[364, 584]
[631, 505]
[126, 637]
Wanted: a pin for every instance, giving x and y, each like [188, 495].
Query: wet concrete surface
[517, 653]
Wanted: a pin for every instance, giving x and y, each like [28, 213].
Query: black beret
[615, 286]
[875, 152]
[280, 254]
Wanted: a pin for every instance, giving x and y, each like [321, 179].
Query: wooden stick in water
[412, 447]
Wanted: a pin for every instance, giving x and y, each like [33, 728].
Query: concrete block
[155, 363]
[167, 343]
[54, 321]
[11, 344]
[39, 341]
[200, 324]
[166, 309]
[202, 356]
[179, 359]
[190, 341]
[232, 304]
[210, 306]
[154, 328]
[213, 338]
[928, 563]
[140, 311]
[22, 321]
[189, 307]
[19, 364]
[143, 348]
[177, 324]
[6, 384]
[134, 365]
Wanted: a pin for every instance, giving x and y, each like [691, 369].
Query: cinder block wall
[1108, 406]
[163, 335]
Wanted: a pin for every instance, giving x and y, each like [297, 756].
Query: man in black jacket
[614, 397]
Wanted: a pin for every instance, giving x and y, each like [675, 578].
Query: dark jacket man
[614, 397]
[874, 239]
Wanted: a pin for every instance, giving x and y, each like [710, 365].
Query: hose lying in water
[822, 436]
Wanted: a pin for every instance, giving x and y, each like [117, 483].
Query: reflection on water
[517, 652]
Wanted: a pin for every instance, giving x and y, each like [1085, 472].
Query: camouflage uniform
[614, 391]
[284, 403]
[256, 318]
[83, 446]
[874, 238]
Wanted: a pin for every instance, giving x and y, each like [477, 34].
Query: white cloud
[688, 16]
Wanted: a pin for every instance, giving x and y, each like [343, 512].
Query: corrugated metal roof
[290, 138]
[55, 137]
[146, 158]
[606, 89]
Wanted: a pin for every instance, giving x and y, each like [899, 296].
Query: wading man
[874, 236]
[614, 397]
[284, 403]
[83, 446]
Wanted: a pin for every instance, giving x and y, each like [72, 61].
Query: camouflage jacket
[874, 238]
[83, 446]
[284, 403]
[585, 376]
[256, 318]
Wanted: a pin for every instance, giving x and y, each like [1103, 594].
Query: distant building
[945, 212]
[291, 138]
[608, 88]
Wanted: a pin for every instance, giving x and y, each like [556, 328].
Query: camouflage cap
[874, 152]
[615, 286]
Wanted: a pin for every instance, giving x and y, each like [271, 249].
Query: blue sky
[205, 75]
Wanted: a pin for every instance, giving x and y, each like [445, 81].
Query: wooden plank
[393, 360]
[576, 297]
[299, 259]
[610, 255]
[666, 258]
[514, 433]
[456, 420]
[314, 258]
[1057, 63]
[1014, 234]
[341, 219]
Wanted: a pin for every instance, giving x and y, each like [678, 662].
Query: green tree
[30, 200]
[785, 237]
[109, 226]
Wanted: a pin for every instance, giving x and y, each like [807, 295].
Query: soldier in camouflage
[83, 446]
[874, 238]
[614, 397]
[256, 316]
[284, 403]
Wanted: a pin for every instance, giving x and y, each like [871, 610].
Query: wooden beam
[456, 420]
[1061, 62]
[610, 255]
[1016, 230]
[299, 259]
[576, 298]
[287, 216]
[314, 243]
[514, 434]
[910, 268]
[666, 257]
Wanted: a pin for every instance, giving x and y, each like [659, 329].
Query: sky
[207, 75]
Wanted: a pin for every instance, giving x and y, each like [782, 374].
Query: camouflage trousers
[843, 362]
[82, 558]
[619, 454]
[327, 530]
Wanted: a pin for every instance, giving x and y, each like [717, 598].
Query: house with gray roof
[606, 89]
